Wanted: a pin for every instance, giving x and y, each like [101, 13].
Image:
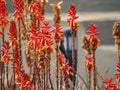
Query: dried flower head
[86, 44]
[56, 6]
[116, 32]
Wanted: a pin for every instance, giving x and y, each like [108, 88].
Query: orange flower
[19, 11]
[72, 17]
[89, 62]
[3, 14]
[66, 69]
[61, 57]
[1, 33]
[57, 32]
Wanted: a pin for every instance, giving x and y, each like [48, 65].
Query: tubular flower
[66, 69]
[92, 30]
[57, 32]
[23, 80]
[36, 9]
[92, 36]
[41, 40]
[118, 72]
[72, 17]
[89, 62]
[19, 9]
[1, 33]
[13, 34]
[61, 57]
[109, 85]
[6, 52]
[3, 14]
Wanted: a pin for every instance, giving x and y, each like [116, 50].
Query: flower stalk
[74, 27]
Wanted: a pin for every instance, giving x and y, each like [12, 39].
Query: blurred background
[103, 13]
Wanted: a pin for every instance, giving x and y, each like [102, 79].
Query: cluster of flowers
[3, 15]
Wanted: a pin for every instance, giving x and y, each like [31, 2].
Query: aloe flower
[118, 72]
[57, 32]
[3, 14]
[35, 8]
[72, 17]
[40, 40]
[89, 62]
[6, 57]
[19, 9]
[61, 57]
[1, 33]
[109, 85]
[23, 79]
[13, 34]
[66, 69]
[92, 36]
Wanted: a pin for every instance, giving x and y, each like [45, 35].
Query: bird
[62, 48]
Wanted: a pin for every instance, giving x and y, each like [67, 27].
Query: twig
[57, 66]
[89, 79]
[73, 57]
[94, 70]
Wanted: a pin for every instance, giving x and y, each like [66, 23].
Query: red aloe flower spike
[46, 26]
[35, 7]
[6, 47]
[13, 30]
[66, 69]
[13, 34]
[57, 32]
[72, 17]
[72, 12]
[92, 35]
[89, 62]
[92, 30]
[6, 52]
[3, 14]
[61, 57]
[109, 85]
[19, 11]
[118, 72]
